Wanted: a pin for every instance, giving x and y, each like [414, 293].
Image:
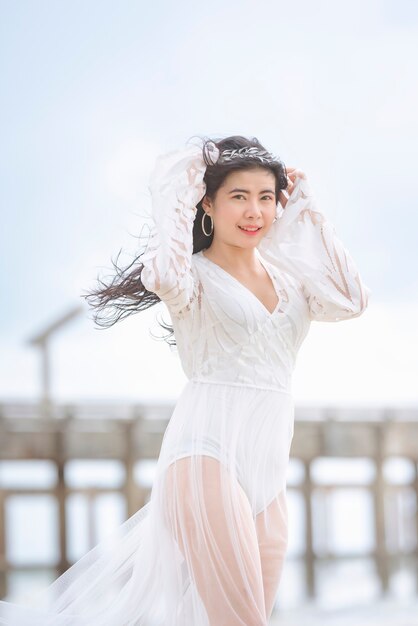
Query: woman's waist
[244, 383]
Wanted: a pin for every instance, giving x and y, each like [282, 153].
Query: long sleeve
[176, 186]
[303, 242]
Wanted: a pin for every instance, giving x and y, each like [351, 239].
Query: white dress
[208, 548]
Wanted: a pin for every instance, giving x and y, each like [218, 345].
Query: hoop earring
[203, 223]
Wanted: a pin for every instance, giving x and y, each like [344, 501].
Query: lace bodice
[223, 332]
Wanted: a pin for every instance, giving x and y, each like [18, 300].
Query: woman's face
[246, 199]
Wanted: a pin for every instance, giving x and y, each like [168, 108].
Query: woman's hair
[125, 294]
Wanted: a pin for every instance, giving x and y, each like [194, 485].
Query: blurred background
[91, 93]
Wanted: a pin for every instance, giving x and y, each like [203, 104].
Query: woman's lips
[250, 232]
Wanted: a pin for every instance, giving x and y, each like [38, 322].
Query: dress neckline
[247, 289]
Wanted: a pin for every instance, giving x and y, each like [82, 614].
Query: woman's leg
[219, 543]
[272, 532]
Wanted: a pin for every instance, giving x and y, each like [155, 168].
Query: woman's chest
[277, 302]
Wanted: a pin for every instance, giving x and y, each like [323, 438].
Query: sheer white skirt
[208, 548]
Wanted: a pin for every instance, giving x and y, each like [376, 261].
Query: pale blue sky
[92, 91]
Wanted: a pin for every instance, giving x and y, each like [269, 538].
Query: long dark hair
[125, 294]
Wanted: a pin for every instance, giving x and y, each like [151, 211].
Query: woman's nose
[253, 208]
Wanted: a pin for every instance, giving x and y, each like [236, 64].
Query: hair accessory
[247, 152]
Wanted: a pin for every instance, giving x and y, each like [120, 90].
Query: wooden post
[3, 565]
[416, 522]
[309, 553]
[61, 496]
[130, 487]
[381, 558]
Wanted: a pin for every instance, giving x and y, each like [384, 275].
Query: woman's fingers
[292, 173]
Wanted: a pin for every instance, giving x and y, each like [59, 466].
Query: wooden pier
[133, 433]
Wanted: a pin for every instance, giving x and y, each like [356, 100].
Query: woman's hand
[292, 174]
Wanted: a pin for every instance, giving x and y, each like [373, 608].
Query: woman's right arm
[176, 186]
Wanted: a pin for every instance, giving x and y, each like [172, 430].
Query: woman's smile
[250, 230]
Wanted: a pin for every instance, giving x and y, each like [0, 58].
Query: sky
[92, 92]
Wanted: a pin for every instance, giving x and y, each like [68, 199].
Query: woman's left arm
[303, 242]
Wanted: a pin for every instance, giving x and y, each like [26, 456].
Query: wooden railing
[131, 434]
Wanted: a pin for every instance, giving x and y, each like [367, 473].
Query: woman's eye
[241, 196]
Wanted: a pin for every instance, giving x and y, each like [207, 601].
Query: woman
[244, 260]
